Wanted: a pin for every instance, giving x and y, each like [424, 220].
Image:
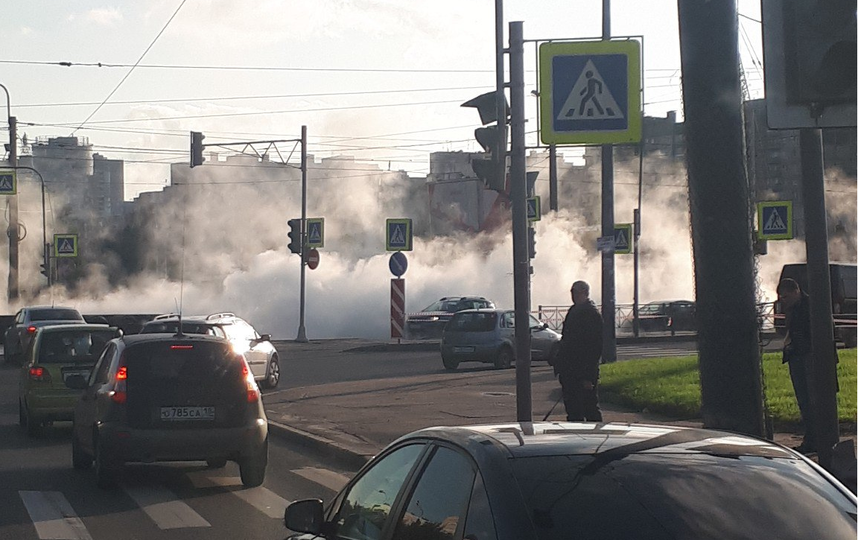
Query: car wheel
[80, 460]
[106, 472]
[22, 419]
[273, 377]
[553, 354]
[450, 364]
[252, 467]
[216, 463]
[31, 426]
[504, 358]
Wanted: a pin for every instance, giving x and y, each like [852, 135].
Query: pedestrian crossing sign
[534, 209]
[8, 182]
[399, 235]
[65, 245]
[624, 239]
[774, 220]
[315, 232]
[590, 92]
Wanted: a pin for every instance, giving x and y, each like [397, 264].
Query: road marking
[164, 508]
[261, 498]
[53, 516]
[330, 479]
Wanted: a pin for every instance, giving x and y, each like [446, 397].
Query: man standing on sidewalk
[797, 353]
[580, 352]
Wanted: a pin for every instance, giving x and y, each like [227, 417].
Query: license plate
[178, 414]
[82, 372]
[463, 349]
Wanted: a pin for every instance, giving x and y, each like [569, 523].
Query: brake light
[181, 347]
[38, 373]
[249, 383]
[119, 394]
[31, 329]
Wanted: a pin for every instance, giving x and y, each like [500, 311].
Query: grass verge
[671, 387]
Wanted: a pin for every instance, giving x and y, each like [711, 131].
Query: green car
[56, 353]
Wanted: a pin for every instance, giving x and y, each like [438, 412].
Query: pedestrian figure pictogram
[774, 220]
[590, 98]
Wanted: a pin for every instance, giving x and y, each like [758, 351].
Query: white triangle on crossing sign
[621, 242]
[590, 98]
[774, 223]
[6, 183]
[65, 246]
[315, 234]
[397, 236]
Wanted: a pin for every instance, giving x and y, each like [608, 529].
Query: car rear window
[173, 327]
[193, 361]
[73, 346]
[698, 496]
[55, 315]
[472, 322]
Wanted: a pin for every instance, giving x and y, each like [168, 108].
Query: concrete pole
[302, 331]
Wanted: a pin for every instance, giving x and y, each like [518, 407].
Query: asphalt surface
[354, 420]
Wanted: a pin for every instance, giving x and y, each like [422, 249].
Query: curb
[321, 445]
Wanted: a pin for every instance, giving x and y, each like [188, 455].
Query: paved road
[42, 497]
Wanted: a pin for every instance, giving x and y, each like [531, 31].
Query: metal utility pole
[500, 94]
[302, 332]
[12, 230]
[552, 177]
[719, 199]
[609, 317]
[518, 194]
[823, 392]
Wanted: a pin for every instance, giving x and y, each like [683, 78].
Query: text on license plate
[172, 414]
[463, 349]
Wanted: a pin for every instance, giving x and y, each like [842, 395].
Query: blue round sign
[398, 264]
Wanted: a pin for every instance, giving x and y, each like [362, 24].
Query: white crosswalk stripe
[261, 498]
[164, 508]
[330, 479]
[53, 516]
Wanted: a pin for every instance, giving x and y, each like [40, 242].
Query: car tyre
[273, 377]
[22, 419]
[450, 364]
[504, 358]
[31, 426]
[252, 467]
[553, 354]
[216, 463]
[106, 472]
[80, 459]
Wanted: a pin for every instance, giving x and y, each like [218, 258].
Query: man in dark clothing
[797, 353]
[577, 364]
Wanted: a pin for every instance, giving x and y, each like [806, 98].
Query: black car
[558, 481]
[673, 316]
[429, 323]
[157, 397]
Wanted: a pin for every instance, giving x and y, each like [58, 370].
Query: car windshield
[651, 309]
[472, 322]
[73, 346]
[54, 314]
[699, 496]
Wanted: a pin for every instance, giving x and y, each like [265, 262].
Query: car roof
[75, 327]
[484, 310]
[56, 308]
[612, 440]
[137, 339]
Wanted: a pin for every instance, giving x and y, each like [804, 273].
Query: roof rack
[165, 316]
[223, 315]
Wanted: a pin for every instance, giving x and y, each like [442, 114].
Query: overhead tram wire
[132, 68]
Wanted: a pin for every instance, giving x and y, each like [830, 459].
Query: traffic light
[492, 139]
[197, 148]
[531, 242]
[819, 41]
[44, 269]
[295, 243]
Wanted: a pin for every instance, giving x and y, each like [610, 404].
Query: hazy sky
[381, 80]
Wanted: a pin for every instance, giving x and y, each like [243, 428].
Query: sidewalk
[353, 421]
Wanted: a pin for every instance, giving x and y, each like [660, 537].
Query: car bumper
[149, 445]
[471, 353]
[48, 405]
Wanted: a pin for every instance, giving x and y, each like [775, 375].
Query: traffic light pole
[518, 194]
[12, 231]
[302, 331]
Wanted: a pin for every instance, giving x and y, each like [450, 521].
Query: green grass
[671, 387]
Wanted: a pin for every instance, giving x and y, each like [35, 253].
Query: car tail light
[120, 394]
[250, 384]
[181, 347]
[31, 329]
[38, 373]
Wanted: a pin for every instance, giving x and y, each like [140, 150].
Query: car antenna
[179, 312]
[182, 283]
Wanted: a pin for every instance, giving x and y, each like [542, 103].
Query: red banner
[397, 308]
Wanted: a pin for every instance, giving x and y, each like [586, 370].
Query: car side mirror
[76, 382]
[305, 516]
[264, 337]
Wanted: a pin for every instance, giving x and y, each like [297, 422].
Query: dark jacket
[581, 344]
[798, 329]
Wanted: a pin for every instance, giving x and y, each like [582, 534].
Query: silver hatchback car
[488, 336]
